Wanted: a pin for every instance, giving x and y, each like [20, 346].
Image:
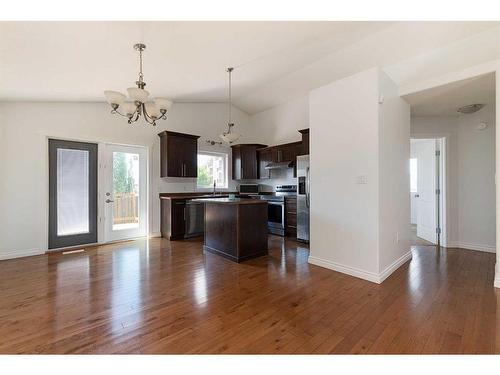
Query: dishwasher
[195, 219]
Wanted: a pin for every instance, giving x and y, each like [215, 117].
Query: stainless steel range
[276, 208]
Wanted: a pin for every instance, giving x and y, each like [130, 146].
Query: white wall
[394, 175]
[351, 220]
[470, 175]
[281, 124]
[277, 125]
[23, 160]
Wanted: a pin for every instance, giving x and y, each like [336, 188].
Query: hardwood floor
[160, 297]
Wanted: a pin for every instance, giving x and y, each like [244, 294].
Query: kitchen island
[235, 228]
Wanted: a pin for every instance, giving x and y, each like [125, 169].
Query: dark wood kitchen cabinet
[245, 161]
[265, 156]
[178, 154]
[173, 218]
[290, 151]
[276, 154]
[291, 217]
[304, 148]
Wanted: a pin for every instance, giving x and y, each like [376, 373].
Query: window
[413, 175]
[212, 166]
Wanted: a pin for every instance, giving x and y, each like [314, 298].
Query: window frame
[225, 157]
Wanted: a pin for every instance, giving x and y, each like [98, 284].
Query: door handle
[417, 196]
[109, 201]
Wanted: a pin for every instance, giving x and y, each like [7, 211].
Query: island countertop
[230, 200]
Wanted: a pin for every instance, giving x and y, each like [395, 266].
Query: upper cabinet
[277, 154]
[245, 161]
[265, 156]
[304, 149]
[178, 154]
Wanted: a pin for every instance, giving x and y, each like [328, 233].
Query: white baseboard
[20, 254]
[471, 246]
[155, 235]
[377, 278]
[352, 271]
[394, 266]
[497, 280]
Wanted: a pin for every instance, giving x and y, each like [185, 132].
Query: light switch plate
[362, 180]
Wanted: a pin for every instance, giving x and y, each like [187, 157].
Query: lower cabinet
[173, 218]
[291, 217]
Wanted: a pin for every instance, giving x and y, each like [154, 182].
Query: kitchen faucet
[214, 188]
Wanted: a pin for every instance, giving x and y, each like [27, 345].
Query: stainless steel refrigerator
[303, 197]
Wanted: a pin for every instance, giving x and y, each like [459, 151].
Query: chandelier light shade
[229, 136]
[137, 104]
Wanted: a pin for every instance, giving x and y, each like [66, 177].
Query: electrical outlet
[397, 237]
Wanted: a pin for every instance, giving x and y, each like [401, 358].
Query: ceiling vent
[471, 108]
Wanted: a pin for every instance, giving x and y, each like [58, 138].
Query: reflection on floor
[417, 241]
[156, 296]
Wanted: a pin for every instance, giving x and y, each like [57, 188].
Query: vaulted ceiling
[186, 61]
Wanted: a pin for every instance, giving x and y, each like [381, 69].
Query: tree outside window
[212, 167]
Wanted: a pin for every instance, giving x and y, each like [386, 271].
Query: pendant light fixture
[229, 136]
[138, 106]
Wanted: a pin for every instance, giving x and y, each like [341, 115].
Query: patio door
[125, 192]
[72, 193]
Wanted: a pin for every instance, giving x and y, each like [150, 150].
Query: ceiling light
[138, 106]
[229, 136]
[471, 108]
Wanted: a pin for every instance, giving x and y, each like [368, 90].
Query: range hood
[280, 165]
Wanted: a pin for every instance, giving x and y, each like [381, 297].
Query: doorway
[427, 191]
[125, 192]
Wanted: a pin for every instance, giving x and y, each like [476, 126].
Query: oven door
[276, 216]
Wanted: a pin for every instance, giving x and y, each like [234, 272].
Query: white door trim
[443, 180]
[105, 185]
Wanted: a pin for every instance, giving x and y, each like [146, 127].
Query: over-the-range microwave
[249, 188]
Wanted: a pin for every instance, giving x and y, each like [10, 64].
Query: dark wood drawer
[291, 219]
[291, 204]
[291, 231]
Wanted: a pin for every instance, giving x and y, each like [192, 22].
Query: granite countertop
[231, 201]
[201, 194]
[193, 195]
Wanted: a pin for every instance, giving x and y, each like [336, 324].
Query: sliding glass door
[72, 193]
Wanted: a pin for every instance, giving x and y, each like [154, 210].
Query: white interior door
[125, 192]
[425, 151]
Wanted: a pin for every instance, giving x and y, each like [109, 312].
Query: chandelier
[137, 105]
[229, 136]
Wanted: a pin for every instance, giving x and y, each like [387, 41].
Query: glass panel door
[72, 193]
[126, 190]
[125, 196]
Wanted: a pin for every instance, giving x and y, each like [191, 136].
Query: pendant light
[229, 136]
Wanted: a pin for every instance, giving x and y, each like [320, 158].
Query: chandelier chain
[229, 94]
[141, 75]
